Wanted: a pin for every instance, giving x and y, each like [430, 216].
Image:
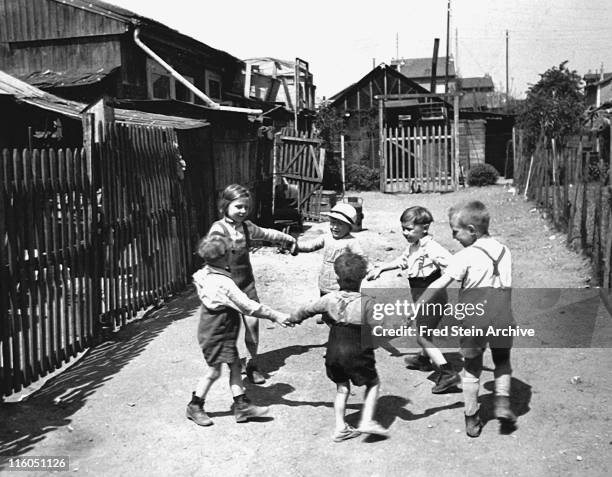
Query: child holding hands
[349, 357]
[235, 207]
[484, 268]
[423, 262]
[222, 304]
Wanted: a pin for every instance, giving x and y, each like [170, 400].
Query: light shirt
[332, 249]
[474, 269]
[217, 290]
[341, 306]
[422, 258]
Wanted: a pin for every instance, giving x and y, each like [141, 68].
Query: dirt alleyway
[121, 408]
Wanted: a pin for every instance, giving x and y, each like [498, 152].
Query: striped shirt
[236, 232]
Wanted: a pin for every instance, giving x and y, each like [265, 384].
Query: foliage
[553, 107]
[482, 174]
[330, 125]
[360, 177]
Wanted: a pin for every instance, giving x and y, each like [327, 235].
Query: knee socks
[471, 386]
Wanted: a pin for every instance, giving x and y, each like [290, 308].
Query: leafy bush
[360, 177]
[482, 174]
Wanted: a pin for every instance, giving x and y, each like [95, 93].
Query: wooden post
[342, 168]
[275, 146]
[381, 145]
[456, 139]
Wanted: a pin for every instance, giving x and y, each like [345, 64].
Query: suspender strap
[495, 262]
[247, 236]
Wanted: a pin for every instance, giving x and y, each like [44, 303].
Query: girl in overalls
[235, 207]
[423, 262]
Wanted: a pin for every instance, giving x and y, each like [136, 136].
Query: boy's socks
[471, 386]
[196, 400]
[502, 385]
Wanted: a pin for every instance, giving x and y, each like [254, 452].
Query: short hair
[212, 248]
[472, 213]
[231, 193]
[417, 215]
[351, 269]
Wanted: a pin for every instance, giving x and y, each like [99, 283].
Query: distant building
[597, 89]
[419, 71]
[478, 94]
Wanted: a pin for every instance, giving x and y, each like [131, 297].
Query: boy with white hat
[342, 218]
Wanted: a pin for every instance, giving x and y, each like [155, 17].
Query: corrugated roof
[421, 67]
[477, 82]
[59, 79]
[22, 91]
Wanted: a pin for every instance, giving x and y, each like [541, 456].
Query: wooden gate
[301, 160]
[418, 159]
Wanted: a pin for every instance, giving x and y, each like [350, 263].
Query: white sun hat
[344, 212]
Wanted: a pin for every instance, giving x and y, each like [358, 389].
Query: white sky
[341, 38]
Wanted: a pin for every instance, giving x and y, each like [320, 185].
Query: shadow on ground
[27, 422]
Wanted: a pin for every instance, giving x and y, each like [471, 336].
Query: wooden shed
[358, 105]
[82, 49]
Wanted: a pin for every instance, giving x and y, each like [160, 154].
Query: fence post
[456, 140]
[381, 145]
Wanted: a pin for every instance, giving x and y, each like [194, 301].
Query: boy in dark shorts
[349, 358]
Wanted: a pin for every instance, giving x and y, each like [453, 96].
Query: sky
[342, 40]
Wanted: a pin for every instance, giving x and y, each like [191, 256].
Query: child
[235, 206]
[222, 304]
[484, 268]
[348, 358]
[423, 262]
[342, 217]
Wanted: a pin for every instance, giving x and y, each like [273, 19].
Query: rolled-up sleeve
[438, 254]
[311, 245]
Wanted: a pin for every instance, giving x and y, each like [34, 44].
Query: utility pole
[507, 76]
[448, 8]
[457, 51]
[397, 46]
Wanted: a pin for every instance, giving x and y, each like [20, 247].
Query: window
[162, 85]
[213, 85]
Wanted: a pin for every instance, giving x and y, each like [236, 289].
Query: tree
[330, 125]
[553, 107]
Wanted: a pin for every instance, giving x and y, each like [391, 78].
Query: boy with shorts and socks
[484, 268]
[349, 355]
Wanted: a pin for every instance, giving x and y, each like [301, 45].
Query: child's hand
[374, 274]
[283, 320]
[294, 249]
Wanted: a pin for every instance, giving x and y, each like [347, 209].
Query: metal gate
[300, 160]
[418, 159]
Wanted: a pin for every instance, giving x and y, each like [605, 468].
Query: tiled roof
[421, 67]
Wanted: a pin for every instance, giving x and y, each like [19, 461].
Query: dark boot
[502, 410]
[418, 362]
[447, 379]
[195, 412]
[473, 425]
[253, 374]
[245, 410]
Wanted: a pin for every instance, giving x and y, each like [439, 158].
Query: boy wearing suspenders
[484, 268]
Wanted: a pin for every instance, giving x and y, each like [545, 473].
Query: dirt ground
[120, 409]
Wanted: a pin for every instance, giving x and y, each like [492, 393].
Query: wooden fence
[89, 237]
[144, 225]
[571, 186]
[47, 259]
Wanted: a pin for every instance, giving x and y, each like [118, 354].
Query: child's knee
[214, 372]
[343, 388]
